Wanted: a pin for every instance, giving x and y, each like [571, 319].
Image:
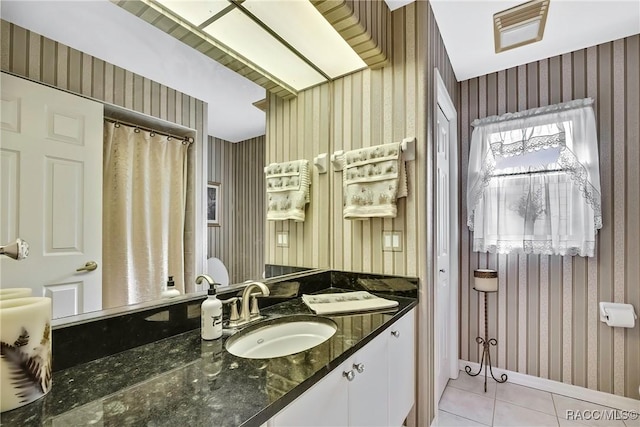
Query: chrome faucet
[206, 277]
[250, 311]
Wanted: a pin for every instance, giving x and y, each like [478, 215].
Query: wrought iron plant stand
[486, 343]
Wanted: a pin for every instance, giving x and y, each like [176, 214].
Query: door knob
[442, 270]
[395, 334]
[89, 266]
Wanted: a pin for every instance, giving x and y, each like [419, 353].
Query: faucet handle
[255, 310]
[234, 316]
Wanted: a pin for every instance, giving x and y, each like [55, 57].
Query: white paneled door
[447, 262]
[443, 225]
[51, 193]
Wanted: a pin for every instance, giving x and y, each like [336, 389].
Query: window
[534, 182]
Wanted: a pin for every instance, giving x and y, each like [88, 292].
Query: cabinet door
[402, 368]
[323, 405]
[368, 404]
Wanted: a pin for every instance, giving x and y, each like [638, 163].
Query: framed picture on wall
[213, 204]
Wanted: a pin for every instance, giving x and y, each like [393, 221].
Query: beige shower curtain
[144, 197]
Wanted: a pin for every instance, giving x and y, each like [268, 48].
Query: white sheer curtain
[534, 181]
[144, 197]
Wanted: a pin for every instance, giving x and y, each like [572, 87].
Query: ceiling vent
[520, 25]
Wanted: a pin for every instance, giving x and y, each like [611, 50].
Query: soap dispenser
[171, 290]
[211, 315]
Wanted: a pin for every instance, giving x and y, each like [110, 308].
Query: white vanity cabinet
[402, 368]
[374, 387]
[325, 404]
[368, 389]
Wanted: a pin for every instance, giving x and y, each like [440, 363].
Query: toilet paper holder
[605, 306]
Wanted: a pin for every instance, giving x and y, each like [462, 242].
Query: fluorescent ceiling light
[520, 25]
[289, 42]
[195, 12]
[242, 35]
[309, 33]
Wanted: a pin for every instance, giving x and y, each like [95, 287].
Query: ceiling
[467, 31]
[106, 31]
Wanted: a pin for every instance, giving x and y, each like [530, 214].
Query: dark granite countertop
[183, 380]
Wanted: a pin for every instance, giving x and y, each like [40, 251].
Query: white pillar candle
[25, 365]
[485, 280]
[10, 293]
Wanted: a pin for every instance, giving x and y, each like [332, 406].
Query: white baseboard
[576, 392]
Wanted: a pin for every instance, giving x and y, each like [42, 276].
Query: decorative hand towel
[373, 179]
[287, 190]
[25, 349]
[346, 302]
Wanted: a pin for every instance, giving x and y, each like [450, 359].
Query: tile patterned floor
[464, 403]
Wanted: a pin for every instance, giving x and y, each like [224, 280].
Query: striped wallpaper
[359, 110]
[368, 108]
[299, 129]
[545, 316]
[38, 58]
[238, 241]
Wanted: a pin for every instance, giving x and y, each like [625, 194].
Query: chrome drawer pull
[350, 375]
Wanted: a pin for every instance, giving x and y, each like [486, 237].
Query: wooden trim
[366, 28]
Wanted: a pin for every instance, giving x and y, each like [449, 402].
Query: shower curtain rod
[185, 139]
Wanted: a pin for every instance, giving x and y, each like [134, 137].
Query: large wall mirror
[238, 236]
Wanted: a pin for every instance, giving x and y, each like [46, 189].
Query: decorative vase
[11, 293]
[25, 351]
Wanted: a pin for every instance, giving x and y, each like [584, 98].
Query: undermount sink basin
[280, 337]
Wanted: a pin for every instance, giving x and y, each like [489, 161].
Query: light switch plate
[282, 239]
[392, 241]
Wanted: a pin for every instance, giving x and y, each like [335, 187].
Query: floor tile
[635, 422]
[586, 413]
[474, 384]
[468, 405]
[446, 419]
[567, 423]
[507, 414]
[529, 398]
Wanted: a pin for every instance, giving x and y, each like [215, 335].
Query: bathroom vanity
[366, 369]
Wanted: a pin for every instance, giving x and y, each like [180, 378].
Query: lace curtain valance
[534, 181]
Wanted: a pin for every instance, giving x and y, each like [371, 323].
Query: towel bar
[408, 146]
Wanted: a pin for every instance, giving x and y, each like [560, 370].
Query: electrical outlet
[392, 241]
[282, 239]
